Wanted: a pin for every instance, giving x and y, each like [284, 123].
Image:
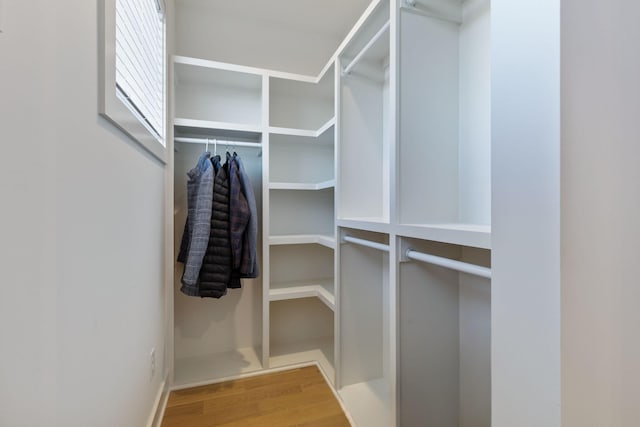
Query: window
[133, 70]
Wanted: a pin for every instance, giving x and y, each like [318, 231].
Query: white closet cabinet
[283, 126]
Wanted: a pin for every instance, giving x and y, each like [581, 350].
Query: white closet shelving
[286, 316]
[390, 144]
[216, 100]
[365, 127]
[444, 145]
[301, 233]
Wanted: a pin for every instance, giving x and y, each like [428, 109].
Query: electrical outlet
[152, 362]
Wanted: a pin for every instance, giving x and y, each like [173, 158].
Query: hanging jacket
[193, 182]
[239, 216]
[249, 267]
[194, 245]
[216, 266]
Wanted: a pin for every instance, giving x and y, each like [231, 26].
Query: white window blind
[140, 61]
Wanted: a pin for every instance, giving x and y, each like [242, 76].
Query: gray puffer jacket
[216, 265]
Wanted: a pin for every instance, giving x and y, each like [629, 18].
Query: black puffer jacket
[216, 265]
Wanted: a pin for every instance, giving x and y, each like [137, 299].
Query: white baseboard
[160, 403]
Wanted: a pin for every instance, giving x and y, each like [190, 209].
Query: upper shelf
[320, 288]
[302, 186]
[304, 239]
[192, 128]
[473, 235]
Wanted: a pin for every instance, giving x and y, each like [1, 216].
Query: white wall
[525, 286]
[600, 212]
[82, 233]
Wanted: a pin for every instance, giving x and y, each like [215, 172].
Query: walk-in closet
[366, 213]
[373, 185]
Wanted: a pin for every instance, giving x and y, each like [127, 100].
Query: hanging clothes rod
[463, 267]
[362, 242]
[365, 49]
[219, 141]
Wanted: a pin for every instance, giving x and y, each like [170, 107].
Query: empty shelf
[320, 288]
[304, 239]
[302, 186]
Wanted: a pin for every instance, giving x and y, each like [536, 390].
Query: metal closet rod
[362, 242]
[366, 48]
[452, 264]
[218, 141]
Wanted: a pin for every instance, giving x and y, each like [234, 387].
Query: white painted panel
[428, 120]
[298, 262]
[475, 114]
[600, 211]
[429, 342]
[299, 321]
[361, 150]
[475, 344]
[301, 105]
[525, 304]
[205, 93]
[301, 212]
[218, 103]
[301, 160]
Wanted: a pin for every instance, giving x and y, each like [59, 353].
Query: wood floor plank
[297, 397]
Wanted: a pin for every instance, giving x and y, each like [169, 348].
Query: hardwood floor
[297, 397]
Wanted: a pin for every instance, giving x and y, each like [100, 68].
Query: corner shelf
[304, 239]
[304, 132]
[302, 186]
[319, 288]
[206, 128]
